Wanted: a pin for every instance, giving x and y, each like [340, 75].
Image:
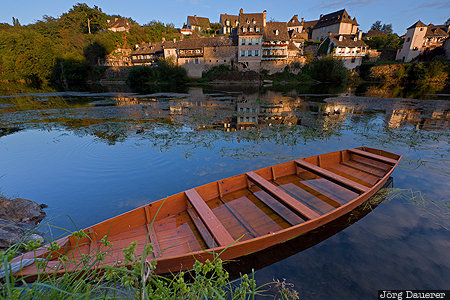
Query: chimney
[321, 16]
[241, 11]
[302, 19]
[195, 16]
[264, 18]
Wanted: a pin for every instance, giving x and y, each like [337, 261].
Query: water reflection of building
[439, 118]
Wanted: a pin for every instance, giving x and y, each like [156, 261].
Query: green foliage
[134, 279]
[323, 48]
[154, 31]
[382, 27]
[215, 27]
[84, 19]
[215, 72]
[327, 69]
[140, 77]
[384, 42]
[25, 54]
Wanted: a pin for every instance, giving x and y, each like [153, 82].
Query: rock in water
[12, 233]
[21, 210]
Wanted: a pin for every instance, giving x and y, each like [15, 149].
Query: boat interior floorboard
[370, 162]
[356, 176]
[245, 216]
[364, 168]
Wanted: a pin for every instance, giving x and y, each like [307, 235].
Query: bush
[327, 70]
[140, 77]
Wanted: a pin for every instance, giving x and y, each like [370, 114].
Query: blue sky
[401, 14]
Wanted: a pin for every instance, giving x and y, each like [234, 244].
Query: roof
[348, 40]
[148, 48]
[336, 17]
[417, 24]
[294, 21]
[276, 31]
[232, 18]
[194, 43]
[251, 20]
[294, 35]
[119, 22]
[309, 24]
[198, 21]
[435, 31]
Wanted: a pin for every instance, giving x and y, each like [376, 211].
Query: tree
[382, 27]
[85, 19]
[376, 25]
[215, 27]
[16, 22]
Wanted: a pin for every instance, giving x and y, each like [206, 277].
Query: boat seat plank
[282, 195]
[332, 176]
[308, 199]
[221, 235]
[151, 232]
[206, 235]
[365, 168]
[278, 208]
[374, 156]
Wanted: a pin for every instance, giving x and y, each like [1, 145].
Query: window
[250, 52]
[257, 29]
[242, 53]
[227, 22]
[254, 21]
[408, 39]
[248, 21]
[242, 41]
[250, 29]
[244, 29]
[256, 52]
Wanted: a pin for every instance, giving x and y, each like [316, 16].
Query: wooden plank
[235, 212]
[282, 195]
[278, 208]
[312, 201]
[306, 184]
[221, 235]
[151, 232]
[332, 176]
[206, 235]
[365, 168]
[371, 163]
[373, 156]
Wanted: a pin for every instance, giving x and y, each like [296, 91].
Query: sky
[400, 13]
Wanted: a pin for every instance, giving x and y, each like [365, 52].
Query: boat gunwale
[290, 232]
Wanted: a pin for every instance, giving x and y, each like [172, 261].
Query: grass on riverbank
[208, 280]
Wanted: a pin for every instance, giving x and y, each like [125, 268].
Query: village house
[198, 54]
[199, 24]
[229, 24]
[147, 54]
[347, 47]
[295, 25]
[419, 38]
[119, 25]
[250, 35]
[301, 27]
[338, 22]
[120, 57]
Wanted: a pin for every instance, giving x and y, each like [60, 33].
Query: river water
[91, 156]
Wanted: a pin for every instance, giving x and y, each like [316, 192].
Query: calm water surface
[92, 156]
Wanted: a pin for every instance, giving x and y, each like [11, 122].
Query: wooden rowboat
[242, 214]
